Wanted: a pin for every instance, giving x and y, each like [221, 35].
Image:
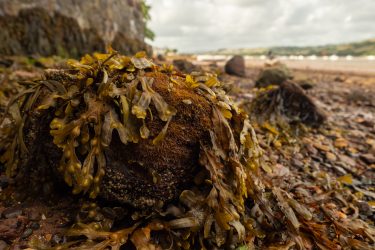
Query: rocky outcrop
[70, 27]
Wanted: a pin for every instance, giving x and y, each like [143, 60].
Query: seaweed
[229, 202]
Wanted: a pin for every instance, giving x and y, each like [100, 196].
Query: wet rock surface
[70, 28]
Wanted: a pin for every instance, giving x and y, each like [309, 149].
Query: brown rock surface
[236, 66]
[70, 28]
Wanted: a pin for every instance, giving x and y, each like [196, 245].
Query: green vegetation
[363, 48]
[146, 16]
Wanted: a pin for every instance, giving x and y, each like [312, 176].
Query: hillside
[362, 48]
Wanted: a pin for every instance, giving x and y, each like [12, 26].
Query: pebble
[12, 213]
[34, 225]
[368, 158]
[297, 163]
[26, 233]
[347, 160]
[364, 208]
[34, 215]
[58, 239]
[330, 156]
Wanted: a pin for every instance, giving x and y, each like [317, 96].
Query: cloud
[202, 25]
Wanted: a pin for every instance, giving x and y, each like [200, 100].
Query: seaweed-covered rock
[185, 66]
[289, 102]
[236, 66]
[133, 133]
[70, 28]
[274, 75]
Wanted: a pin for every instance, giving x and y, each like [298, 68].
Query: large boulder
[172, 148]
[236, 66]
[70, 28]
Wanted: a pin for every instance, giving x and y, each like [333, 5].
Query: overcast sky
[202, 25]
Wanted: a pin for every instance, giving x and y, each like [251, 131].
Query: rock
[341, 143]
[290, 102]
[6, 62]
[364, 208]
[27, 233]
[185, 66]
[347, 160]
[161, 57]
[34, 225]
[305, 84]
[57, 239]
[12, 213]
[297, 163]
[236, 66]
[11, 228]
[368, 158]
[272, 76]
[339, 79]
[70, 28]
[34, 215]
[330, 156]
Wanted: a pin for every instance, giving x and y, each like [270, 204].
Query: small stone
[341, 143]
[34, 225]
[331, 156]
[364, 208]
[297, 163]
[321, 147]
[12, 213]
[347, 160]
[311, 149]
[26, 233]
[368, 158]
[58, 239]
[34, 215]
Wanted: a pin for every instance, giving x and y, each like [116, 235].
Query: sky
[207, 25]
